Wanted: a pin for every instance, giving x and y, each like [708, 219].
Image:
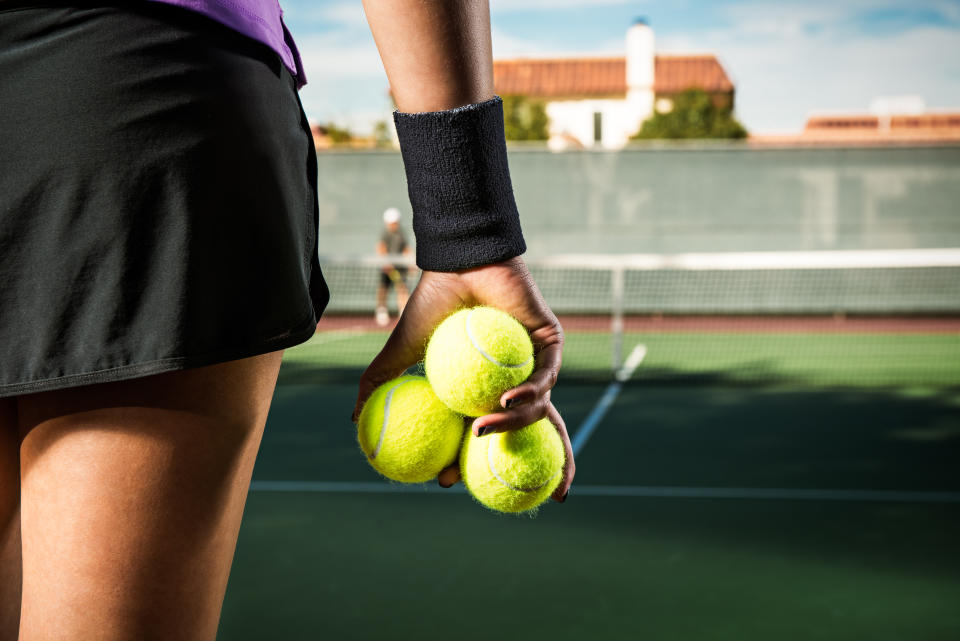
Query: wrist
[458, 180]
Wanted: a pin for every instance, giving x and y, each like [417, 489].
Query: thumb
[403, 349]
[449, 476]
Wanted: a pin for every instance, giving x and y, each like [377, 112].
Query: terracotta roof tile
[843, 122]
[568, 77]
[560, 77]
[672, 74]
[935, 122]
[870, 129]
[932, 122]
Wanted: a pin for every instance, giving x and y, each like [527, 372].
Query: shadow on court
[435, 564]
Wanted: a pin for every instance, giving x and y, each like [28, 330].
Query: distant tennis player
[392, 241]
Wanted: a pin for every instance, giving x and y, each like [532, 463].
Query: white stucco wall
[620, 120]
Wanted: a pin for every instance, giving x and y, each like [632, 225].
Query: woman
[158, 254]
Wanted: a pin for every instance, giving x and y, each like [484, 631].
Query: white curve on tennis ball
[493, 470]
[386, 415]
[483, 352]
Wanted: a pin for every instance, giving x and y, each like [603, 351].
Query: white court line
[599, 410]
[628, 491]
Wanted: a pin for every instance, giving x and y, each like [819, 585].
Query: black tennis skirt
[158, 205]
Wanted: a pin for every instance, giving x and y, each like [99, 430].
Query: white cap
[391, 215]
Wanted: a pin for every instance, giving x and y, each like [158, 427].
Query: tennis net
[833, 317]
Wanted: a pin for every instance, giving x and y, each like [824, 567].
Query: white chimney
[640, 56]
[639, 75]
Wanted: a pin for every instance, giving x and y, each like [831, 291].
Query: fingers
[506, 285]
[449, 476]
[397, 355]
[520, 415]
[392, 361]
[435, 296]
[540, 382]
[569, 465]
[528, 402]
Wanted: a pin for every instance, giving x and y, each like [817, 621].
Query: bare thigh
[9, 520]
[131, 498]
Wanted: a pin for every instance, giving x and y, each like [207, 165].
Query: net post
[616, 318]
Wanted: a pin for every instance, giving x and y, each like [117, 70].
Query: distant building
[324, 138]
[928, 127]
[602, 101]
[321, 136]
[890, 120]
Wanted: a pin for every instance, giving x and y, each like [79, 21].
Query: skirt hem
[175, 363]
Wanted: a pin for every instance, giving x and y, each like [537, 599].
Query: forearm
[437, 53]
[438, 59]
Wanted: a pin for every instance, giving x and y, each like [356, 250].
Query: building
[889, 120]
[321, 136]
[602, 101]
[869, 128]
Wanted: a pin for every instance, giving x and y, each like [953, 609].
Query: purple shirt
[261, 20]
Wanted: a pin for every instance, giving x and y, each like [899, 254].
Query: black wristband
[464, 214]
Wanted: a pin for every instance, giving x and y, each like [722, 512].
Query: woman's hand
[507, 286]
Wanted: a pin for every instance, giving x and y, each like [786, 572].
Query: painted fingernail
[481, 431]
[510, 403]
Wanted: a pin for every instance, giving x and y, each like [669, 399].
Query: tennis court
[793, 502]
[767, 441]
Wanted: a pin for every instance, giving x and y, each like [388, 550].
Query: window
[597, 126]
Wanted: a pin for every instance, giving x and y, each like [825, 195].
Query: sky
[786, 58]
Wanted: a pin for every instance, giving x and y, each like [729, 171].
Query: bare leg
[402, 295]
[381, 295]
[132, 495]
[381, 314]
[10, 566]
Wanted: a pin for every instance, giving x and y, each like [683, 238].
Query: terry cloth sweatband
[464, 214]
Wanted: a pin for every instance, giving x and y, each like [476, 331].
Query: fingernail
[481, 431]
[510, 403]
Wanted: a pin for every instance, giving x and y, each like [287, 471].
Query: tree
[338, 135]
[524, 118]
[381, 133]
[695, 114]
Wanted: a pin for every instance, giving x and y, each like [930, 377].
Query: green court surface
[797, 445]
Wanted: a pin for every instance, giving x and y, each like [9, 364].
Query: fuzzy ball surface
[474, 356]
[407, 433]
[513, 471]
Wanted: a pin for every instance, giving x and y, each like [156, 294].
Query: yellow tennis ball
[474, 356]
[513, 471]
[407, 433]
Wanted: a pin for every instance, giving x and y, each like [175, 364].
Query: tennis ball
[474, 356]
[407, 433]
[513, 471]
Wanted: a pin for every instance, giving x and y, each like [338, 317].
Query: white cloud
[334, 55]
[786, 58]
[311, 13]
[346, 81]
[789, 60]
[342, 13]
[505, 45]
[950, 9]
